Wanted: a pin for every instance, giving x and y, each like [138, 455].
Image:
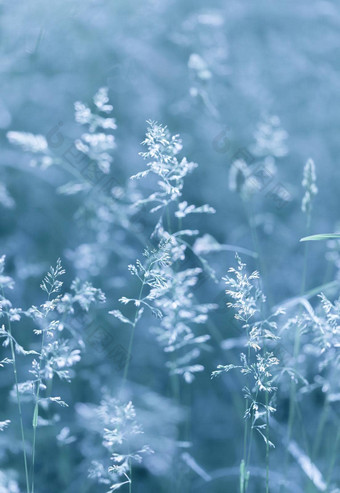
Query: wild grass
[279, 365]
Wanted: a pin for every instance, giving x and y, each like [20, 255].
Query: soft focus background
[224, 75]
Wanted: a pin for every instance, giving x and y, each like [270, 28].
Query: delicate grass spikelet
[309, 184]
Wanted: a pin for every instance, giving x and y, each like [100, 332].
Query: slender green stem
[126, 367]
[251, 434]
[175, 383]
[36, 411]
[262, 269]
[267, 444]
[36, 406]
[19, 404]
[245, 437]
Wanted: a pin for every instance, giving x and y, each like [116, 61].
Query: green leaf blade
[321, 237]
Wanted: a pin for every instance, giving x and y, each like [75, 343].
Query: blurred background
[256, 81]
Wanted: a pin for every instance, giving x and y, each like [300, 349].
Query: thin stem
[36, 410]
[19, 402]
[36, 407]
[267, 444]
[174, 378]
[251, 434]
[245, 435]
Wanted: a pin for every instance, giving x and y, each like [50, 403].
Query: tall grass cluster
[155, 335]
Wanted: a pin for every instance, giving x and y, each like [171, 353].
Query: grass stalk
[22, 432]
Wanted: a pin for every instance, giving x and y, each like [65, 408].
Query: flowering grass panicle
[121, 437]
[161, 154]
[55, 356]
[258, 365]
